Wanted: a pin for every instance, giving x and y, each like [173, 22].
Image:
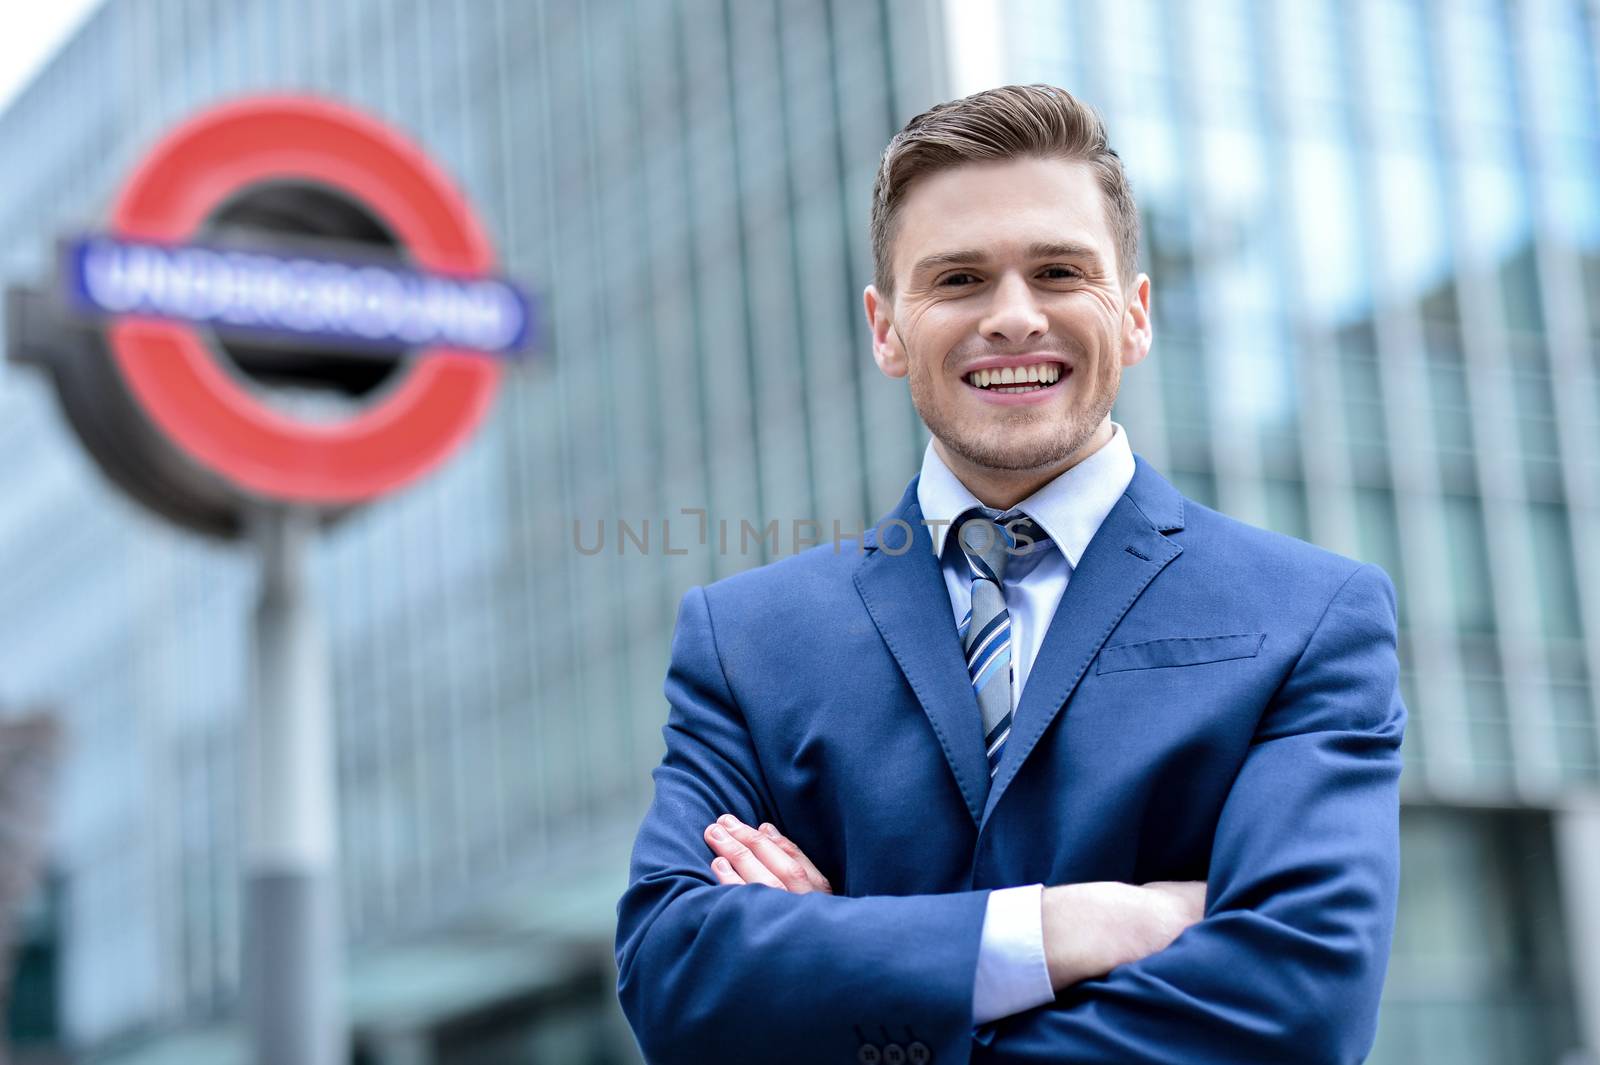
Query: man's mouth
[1019, 379]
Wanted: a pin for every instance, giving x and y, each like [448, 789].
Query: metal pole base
[294, 1012]
[293, 972]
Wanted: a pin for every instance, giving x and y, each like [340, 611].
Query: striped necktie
[989, 539]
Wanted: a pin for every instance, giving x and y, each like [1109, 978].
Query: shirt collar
[1069, 508]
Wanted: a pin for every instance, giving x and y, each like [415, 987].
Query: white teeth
[1044, 374]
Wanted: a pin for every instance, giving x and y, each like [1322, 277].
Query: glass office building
[1373, 231]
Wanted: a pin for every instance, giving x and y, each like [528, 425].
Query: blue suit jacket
[1212, 701]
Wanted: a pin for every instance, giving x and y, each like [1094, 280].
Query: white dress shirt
[1012, 975]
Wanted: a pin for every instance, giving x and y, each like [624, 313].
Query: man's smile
[1011, 384]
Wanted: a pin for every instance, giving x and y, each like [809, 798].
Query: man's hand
[1091, 928]
[765, 857]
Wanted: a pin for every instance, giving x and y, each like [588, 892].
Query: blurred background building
[1374, 233]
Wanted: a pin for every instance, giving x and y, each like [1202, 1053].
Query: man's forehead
[1004, 208]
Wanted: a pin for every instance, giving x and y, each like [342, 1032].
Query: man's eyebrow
[1071, 249]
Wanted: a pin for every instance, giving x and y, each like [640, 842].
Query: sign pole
[293, 986]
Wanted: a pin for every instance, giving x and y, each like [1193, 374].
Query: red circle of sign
[199, 404]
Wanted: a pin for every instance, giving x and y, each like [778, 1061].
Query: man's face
[1009, 265]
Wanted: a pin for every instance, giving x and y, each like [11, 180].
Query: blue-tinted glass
[1326, 210]
[1553, 558]
[1469, 564]
[1451, 408]
[1378, 529]
[1361, 386]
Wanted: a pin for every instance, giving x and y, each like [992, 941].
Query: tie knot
[990, 538]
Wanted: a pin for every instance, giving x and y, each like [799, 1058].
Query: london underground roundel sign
[162, 290]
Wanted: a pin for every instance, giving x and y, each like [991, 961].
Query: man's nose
[1013, 315]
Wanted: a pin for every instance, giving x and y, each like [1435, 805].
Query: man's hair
[1011, 122]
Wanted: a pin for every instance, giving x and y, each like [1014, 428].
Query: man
[1055, 765]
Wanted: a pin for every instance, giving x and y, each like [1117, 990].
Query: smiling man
[1056, 764]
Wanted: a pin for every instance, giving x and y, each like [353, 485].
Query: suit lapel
[905, 593]
[1124, 556]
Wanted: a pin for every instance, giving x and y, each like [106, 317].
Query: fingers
[755, 857]
[813, 875]
[724, 872]
[745, 862]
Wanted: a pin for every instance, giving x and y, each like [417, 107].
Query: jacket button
[919, 1054]
[868, 1054]
[894, 1054]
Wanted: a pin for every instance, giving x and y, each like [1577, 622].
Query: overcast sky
[30, 33]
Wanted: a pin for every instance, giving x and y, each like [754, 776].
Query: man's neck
[1004, 489]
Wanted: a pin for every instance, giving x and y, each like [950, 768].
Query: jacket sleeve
[1288, 962]
[715, 972]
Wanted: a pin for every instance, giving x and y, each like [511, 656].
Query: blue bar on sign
[359, 304]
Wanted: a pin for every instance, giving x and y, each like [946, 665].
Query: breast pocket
[1178, 651]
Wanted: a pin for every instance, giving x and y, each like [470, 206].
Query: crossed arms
[1286, 964]
[1089, 929]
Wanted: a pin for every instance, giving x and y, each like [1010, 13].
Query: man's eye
[955, 278]
[1067, 271]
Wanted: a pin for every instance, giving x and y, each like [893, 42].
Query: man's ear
[1137, 331]
[886, 349]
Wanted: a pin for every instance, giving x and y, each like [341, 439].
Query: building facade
[1373, 232]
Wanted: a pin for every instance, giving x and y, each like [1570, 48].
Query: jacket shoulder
[1249, 555]
[810, 577]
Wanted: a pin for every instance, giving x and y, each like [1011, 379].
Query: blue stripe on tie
[981, 570]
[994, 760]
[981, 653]
[961, 629]
[987, 659]
[997, 745]
[1002, 657]
[986, 636]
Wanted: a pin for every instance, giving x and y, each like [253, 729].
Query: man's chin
[1014, 456]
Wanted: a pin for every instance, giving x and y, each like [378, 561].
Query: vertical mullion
[565, 791]
[1569, 327]
[889, 434]
[775, 333]
[1441, 696]
[1236, 453]
[1486, 345]
[604, 731]
[1326, 466]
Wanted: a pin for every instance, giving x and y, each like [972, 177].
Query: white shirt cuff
[1012, 974]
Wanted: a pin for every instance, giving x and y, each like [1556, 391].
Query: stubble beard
[1004, 447]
